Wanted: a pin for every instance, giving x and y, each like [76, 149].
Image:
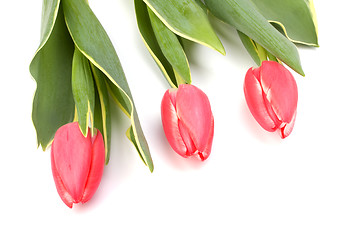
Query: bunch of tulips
[76, 69]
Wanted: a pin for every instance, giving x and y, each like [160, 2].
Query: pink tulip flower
[187, 121]
[271, 94]
[77, 163]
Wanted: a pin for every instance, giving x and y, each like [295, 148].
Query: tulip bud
[187, 121]
[271, 94]
[77, 163]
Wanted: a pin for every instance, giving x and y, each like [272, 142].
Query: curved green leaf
[51, 67]
[120, 98]
[171, 49]
[102, 109]
[187, 19]
[130, 135]
[201, 4]
[250, 46]
[83, 91]
[93, 41]
[295, 17]
[50, 10]
[98, 121]
[149, 39]
[245, 17]
[256, 51]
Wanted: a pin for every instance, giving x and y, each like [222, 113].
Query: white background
[254, 185]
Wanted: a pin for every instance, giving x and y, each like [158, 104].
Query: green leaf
[245, 17]
[250, 46]
[256, 51]
[201, 4]
[149, 39]
[93, 41]
[98, 121]
[296, 18]
[171, 49]
[103, 109]
[83, 91]
[51, 67]
[187, 19]
[119, 97]
[130, 135]
[50, 10]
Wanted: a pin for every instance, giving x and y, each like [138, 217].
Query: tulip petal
[63, 193]
[256, 100]
[280, 88]
[72, 157]
[270, 110]
[206, 152]
[193, 109]
[287, 129]
[191, 148]
[170, 122]
[96, 167]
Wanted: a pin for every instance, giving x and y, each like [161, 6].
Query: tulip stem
[262, 53]
[271, 57]
[179, 79]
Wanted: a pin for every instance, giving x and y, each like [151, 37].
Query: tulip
[77, 163]
[187, 121]
[271, 94]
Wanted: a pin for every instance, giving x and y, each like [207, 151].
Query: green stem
[271, 57]
[262, 53]
[178, 78]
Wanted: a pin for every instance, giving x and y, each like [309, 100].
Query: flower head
[271, 94]
[188, 121]
[77, 163]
